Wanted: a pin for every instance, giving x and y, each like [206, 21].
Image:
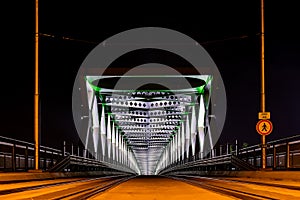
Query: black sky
[238, 59]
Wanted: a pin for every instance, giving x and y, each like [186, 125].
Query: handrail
[60, 165]
[272, 142]
[11, 141]
[240, 163]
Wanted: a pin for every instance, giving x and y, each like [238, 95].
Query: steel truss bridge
[148, 130]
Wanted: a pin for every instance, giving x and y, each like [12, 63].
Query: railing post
[236, 148]
[72, 150]
[287, 156]
[4, 164]
[13, 157]
[274, 157]
[254, 157]
[78, 151]
[45, 159]
[221, 150]
[227, 148]
[26, 158]
[52, 158]
[64, 149]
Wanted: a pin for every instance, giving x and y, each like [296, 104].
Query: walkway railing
[282, 154]
[17, 155]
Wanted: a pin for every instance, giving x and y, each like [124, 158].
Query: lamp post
[36, 89]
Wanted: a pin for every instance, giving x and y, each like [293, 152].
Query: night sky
[228, 30]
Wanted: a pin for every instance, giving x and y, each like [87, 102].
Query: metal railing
[282, 154]
[17, 155]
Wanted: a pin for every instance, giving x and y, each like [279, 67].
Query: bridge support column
[179, 145]
[103, 133]
[109, 135]
[201, 125]
[117, 145]
[113, 142]
[193, 131]
[187, 136]
[182, 141]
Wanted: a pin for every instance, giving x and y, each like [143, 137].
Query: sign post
[262, 91]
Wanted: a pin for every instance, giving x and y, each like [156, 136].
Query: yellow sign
[264, 127]
[264, 115]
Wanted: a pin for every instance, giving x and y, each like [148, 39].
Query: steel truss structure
[148, 128]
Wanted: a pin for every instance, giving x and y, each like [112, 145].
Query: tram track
[291, 187]
[92, 191]
[225, 189]
[89, 183]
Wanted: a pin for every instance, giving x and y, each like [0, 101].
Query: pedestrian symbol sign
[264, 127]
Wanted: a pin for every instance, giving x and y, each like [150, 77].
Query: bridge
[153, 140]
[150, 136]
[74, 173]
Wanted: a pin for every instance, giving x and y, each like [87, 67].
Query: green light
[95, 88]
[200, 89]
